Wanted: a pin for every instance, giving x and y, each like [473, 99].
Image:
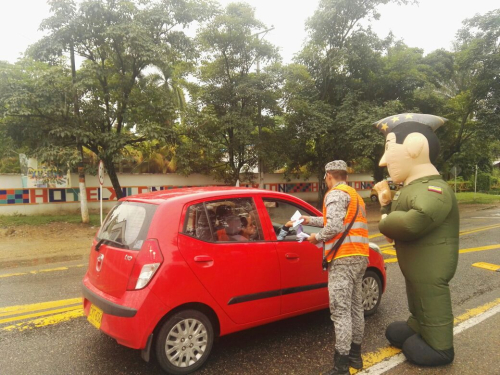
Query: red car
[177, 268]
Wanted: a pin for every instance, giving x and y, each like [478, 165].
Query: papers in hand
[296, 219]
[301, 236]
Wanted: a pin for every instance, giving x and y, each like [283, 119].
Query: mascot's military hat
[387, 125]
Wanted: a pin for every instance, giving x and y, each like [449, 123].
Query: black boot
[398, 332]
[340, 365]
[355, 360]
[417, 351]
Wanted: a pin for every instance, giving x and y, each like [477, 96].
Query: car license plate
[95, 316]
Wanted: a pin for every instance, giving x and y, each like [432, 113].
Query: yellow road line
[460, 233]
[389, 252]
[50, 270]
[481, 248]
[487, 266]
[46, 321]
[42, 313]
[464, 251]
[43, 270]
[13, 274]
[22, 309]
[391, 260]
[373, 358]
[479, 229]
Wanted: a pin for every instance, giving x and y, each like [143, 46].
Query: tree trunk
[321, 189]
[83, 194]
[378, 172]
[110, 167]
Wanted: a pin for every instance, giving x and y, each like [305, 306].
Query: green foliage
[477, 198]
[127, 90]
[222, 133]
[483, 182]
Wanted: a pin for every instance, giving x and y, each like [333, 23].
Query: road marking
[463, 251]
[380, 361]
[389, 252]
[43, 270]
[481, 248]
[37, 314]
[462, 233]
[12, 274]
[487, 266]
[479, 229]
[22, 309]
[46, 321]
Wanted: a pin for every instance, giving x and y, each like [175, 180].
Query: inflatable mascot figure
[423, 219]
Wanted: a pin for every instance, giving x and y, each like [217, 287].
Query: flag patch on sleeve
[435, 189]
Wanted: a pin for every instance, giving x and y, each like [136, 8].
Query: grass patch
[7, 221]
[481, 198]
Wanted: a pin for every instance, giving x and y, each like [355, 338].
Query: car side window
[197, 223]
[227, 220]
[280, 213]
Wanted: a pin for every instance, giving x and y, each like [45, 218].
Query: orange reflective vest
[356, 241]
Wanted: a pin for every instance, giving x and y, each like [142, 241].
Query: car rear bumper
[106, 306]
[131, 319]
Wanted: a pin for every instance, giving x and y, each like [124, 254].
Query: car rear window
[127, 224]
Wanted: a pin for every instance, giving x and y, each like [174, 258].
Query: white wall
[137, 183]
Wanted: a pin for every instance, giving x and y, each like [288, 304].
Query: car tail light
[146, 264]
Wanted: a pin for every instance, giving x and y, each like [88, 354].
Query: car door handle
[203, 258]
[291, 256]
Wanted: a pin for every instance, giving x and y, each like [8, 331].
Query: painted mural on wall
[71, 195]
[40, 175]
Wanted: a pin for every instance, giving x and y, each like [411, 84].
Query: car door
[303, 281]
[242, 274]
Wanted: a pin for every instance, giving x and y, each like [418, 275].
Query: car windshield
[127, 224]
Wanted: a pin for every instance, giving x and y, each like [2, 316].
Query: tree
[471, 91]
[221, 135]
[119, 102]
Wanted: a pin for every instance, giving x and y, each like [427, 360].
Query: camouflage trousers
[345, 276]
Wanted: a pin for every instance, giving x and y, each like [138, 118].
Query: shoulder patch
[396, 196]
[435, 189]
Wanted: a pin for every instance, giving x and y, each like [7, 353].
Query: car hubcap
[370, 293]
[186, 342]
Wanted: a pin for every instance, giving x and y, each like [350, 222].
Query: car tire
[184, 342]
[374, 198]
[371, 290]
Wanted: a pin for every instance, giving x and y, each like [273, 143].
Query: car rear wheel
[371, 291]
[184, 342]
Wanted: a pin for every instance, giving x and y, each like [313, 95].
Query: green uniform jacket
[424, 222]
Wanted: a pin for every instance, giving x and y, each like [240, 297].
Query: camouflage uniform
[346, 304]
[344, 277]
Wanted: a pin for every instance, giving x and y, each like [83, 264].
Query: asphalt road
[47, 344]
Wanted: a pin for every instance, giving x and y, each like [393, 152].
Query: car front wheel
[371, 288]
[184, 342]
[374, 198]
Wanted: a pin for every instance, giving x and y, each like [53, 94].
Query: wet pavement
[300, 345]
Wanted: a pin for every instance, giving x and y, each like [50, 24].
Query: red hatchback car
[171, 270]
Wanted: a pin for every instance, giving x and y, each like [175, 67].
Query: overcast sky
[430, 25]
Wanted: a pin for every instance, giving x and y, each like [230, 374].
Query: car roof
[195, 193]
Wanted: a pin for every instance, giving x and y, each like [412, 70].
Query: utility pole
[259, 117]
[81, 170]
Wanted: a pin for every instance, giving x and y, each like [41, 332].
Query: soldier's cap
[387, 125]
[336, 165]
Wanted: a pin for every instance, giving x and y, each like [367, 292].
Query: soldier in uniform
[423, 219]
[346, 267]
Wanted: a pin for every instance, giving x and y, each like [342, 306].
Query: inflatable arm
[423, 217]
